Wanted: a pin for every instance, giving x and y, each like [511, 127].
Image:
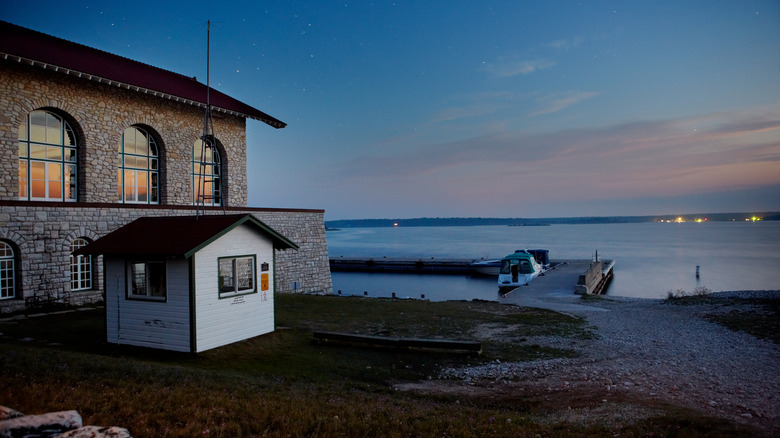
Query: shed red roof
[35, 48]
[176, 235]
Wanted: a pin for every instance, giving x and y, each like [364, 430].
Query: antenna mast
[208, 180]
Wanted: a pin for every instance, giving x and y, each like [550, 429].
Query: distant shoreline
[481, 221]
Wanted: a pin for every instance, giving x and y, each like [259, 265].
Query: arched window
[47, 158]
[206, 174]
[7, 271]
[80, 267]
[138, 176]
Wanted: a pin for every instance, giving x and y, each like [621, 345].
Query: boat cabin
[517, 269]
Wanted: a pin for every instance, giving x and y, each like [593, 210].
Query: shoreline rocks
[662, 350]
[64, 424]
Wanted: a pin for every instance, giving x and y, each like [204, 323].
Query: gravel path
[653, 349]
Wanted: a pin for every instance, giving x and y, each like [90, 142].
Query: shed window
[236, 275]
[147, 281]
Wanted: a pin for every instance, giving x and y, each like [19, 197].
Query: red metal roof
[176, 235]
[35, 48]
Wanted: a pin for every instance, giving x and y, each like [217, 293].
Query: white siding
[223, 321]
[154, 324]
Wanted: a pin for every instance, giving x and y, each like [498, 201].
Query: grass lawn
[284, 384]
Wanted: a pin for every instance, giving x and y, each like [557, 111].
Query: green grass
[284, 384]
[762, 320]
[759, 317]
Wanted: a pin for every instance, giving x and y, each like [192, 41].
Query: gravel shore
[655, 350]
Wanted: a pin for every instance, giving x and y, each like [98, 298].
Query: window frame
[150, 173]
[81, 268]
[59, 160]
[234, 291]
[7, 265]
[130, 287]
[216, 175]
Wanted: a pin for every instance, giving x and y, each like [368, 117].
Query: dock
[555, 290]
[567, 276]
[573, 275]
[596, 279]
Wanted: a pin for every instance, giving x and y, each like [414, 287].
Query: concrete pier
[555, 289]
[596, 278]
[571, 276]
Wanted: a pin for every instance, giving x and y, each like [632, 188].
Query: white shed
[189, 283]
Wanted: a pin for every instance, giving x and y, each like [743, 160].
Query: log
[96, 432]
[382, 341]
[42, 425]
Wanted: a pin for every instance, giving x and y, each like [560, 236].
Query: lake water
[651, 258]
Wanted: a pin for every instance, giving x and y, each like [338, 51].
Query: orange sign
[264, 282]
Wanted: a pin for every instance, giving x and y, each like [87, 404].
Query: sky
[454, 108]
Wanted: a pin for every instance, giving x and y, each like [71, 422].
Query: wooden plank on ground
[384, 341]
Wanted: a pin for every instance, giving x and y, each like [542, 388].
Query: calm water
[651, 258]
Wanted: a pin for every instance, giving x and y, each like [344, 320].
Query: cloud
[640, 159]
[475, 104]
[511, 66]
[564, 44]
[557, 101]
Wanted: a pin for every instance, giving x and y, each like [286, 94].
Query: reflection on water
[422, 286]
[651, 258]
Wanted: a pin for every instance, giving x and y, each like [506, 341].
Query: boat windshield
[523, 266]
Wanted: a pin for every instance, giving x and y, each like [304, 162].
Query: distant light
[395, 224]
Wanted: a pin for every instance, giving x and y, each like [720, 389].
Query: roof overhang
[177, 236]
[91, 77]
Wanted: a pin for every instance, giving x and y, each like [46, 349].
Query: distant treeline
[477, 221]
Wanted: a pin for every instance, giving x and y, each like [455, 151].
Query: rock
[40, 425]
[8, 413]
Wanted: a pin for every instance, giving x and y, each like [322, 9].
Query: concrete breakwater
[422, 265]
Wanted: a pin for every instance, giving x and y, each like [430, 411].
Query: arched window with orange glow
[47, 158]
[206, 173]
[138, 176]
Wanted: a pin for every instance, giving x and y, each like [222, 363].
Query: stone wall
[99, 114]
[42, 233]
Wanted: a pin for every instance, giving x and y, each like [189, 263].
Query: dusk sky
[399, 109]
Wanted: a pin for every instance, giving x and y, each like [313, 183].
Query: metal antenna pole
[208, 148]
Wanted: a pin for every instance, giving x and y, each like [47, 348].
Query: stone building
[90, 141]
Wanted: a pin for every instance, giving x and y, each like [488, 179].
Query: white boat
[486, 267]
[518, 269]
[493, 266]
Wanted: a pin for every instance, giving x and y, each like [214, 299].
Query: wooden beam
[406, 343]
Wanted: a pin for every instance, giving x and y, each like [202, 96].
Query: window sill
[223, 295]
[146, 298]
